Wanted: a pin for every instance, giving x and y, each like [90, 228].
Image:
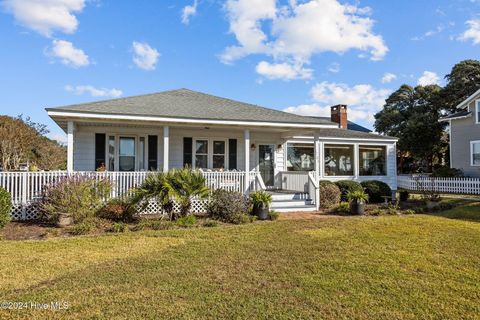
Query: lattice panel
[32, 211]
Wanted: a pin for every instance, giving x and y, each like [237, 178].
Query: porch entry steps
[290, 201]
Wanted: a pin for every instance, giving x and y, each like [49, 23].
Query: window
[219, 155]
[373, 160]
[475, 153]
[141, 156]
[111, 153]
[126, 157]
[338, 160]
[300, 157]
[201, 154]
[477, 113]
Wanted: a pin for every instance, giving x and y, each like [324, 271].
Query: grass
[396, 267]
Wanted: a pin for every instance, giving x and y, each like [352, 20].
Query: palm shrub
[77, 197]
[156, 187]
[347, 186]
[376, 190]
[187, 184]
[329, 194]
[5, 207]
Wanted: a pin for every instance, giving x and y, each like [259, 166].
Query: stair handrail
[313, 181]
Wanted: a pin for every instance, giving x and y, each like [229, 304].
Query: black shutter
[232, 154]
[153, 153]
[100, 141]
[187, 152]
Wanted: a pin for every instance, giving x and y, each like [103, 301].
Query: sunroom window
[300, 157]
[338, 160]
[372, 160]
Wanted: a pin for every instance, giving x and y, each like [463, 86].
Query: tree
[462, 81]
[411, 114]
[22, 140]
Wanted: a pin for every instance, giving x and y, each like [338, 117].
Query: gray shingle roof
[351, 134]
[184, 103]
[350, 125]
[460, 114]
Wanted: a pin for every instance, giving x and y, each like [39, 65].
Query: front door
[266, 164]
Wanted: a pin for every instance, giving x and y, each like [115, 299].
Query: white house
[178, 128]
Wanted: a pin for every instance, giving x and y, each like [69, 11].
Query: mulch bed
[28, 230]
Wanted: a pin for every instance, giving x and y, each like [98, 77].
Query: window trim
[477, 111]
[210, 141]
[471, 153]
[386, 159]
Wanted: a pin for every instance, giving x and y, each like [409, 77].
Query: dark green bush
[228, 206]
[5, 207]
[447, 172]
[347, 186]
[376, 190]
[404, 195]
[329, 194]
[118, 210]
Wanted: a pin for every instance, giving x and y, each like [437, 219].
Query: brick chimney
[338, 114]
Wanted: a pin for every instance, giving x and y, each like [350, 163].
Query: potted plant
[261, 201]
[357, 201]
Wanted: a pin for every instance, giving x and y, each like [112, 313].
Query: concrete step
[306, 208]
[290, 203]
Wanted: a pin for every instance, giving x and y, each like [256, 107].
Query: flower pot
[357, 208]
[261, 212]
[64, 220]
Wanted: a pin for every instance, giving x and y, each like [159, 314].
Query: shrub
[404, 195]
[118, 210]
[186, 221]
[119, 227]
[409, 211]
[75, 196]
[329, 194]
[447, 172]
[347, 186]
[343, 208]
[209, 223]
[187, 184]
[376, 190]
[243, 218]
[261, 198]
[227, 206]
[273, 215]
[5, 207]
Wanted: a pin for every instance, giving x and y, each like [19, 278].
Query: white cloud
[363, 101]
[189, 11]
[94, 92]
[430, 33]
[68, 54]
[472, 33]
[46, 16]
[334, 67]
[283, 71]
[388, 77]
[428, 78]
[144, 56]
[299, 30]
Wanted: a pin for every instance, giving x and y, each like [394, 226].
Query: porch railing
[294, 181]
[26, 187]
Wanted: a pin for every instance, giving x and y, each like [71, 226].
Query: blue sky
[299, 56]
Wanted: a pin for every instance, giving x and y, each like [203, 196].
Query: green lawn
[394, 267]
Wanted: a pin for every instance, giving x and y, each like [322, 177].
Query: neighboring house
[178, 128]
[465, 136]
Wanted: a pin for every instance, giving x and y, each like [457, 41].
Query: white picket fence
[26, 188]
[441, 185]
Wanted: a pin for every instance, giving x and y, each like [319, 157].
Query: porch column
[247, 159]
[316, 145]
[166, 138]
[356, 157]
[70, 129]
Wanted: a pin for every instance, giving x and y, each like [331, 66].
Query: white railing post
[247, 160]
[70, 129]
